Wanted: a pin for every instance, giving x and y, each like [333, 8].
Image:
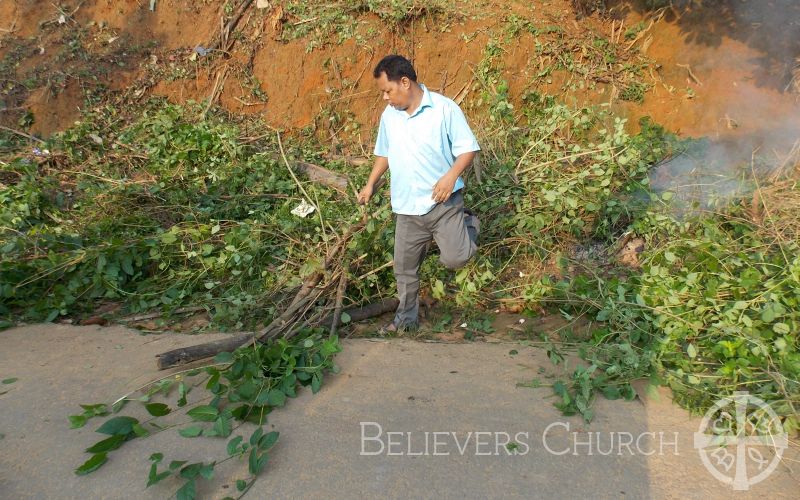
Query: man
[425, 142]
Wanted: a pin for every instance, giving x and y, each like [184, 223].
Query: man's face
[396, 94]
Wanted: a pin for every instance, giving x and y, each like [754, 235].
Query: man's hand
[380, 167]
[366, 194]
[443, 189]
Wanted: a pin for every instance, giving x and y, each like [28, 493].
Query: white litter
[262, 4]
[62, 19]
[463, 325]
[303, 209]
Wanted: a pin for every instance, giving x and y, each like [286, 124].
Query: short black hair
[395, 67]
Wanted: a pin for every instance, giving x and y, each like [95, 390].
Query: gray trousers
[455, 233]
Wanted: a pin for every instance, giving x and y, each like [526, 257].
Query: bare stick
[23, 134]
[691, 74]
[216, 90]
[289, 167]
[228, 28]
[337, 311]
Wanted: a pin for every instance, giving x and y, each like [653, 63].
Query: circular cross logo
[735, 436]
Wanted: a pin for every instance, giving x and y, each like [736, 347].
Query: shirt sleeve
[382, 143]
[462, 140]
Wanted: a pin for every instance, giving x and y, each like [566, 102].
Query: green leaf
[118, 425]
[345, 318]
[191, 471]
[437, 289]
[247, 390]
[330, 346]
[77, 421]
[691, 351]
[611, 392]
[780, 328]
[95, 410]
[276, 398]
[182, 391]
[127, 265]
[157, 409]
[10, 380]
[92, 464]
[241, 484]
[168, 238]
[316, 383]
[233, 445]
[107, 444]
[191, 432]
[187, 491]
[224, 357]
[213, 380]
[268, 439]
[203, 413]
[308, 343]
[255, 462]
[222, 426]
[207, 471]
[140, 431]
[156, 477]
[175, 464]
[256, 436]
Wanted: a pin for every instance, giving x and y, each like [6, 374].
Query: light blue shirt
[421, 148]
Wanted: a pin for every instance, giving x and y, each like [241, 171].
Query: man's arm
[444, 187]
[380, 168]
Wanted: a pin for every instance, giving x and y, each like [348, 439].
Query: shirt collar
[425, 102]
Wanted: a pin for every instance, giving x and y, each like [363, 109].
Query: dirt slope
[699, 85]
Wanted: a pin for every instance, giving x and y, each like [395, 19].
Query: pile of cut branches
[326, 286]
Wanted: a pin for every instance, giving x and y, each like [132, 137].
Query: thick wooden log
[209, 349]
[366, 312]
[322, 175]
[185, 355]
